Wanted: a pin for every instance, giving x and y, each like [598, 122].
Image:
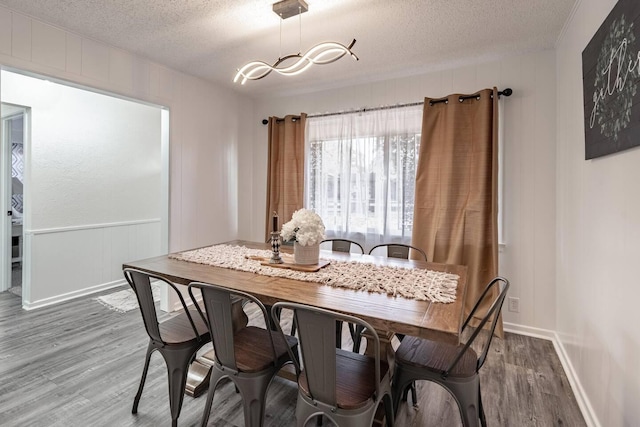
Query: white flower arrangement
[306, 228]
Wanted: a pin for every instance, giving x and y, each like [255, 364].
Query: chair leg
[388, 410]
[412, 388]
[305, 412]
[400, 383]
[352, 331]
[357, 340]
[338, 334]
[254, 397]
[466, 394]
[177, 368]
[216, 376]
[363, 419]
[414, 394]
[136, 400]
[483, 419]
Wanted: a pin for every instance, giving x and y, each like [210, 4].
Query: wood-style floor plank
[79, 364]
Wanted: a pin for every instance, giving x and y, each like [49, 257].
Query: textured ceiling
[212, 38]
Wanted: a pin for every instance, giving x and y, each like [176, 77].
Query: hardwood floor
[79, 364]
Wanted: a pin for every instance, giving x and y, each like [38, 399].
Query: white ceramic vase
[306, 255]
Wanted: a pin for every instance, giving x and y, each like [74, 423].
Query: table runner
[414, 283]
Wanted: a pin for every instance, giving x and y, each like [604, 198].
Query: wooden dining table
[387, 314]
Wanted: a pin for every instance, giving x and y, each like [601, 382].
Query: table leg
[200, 369]
[387, 352]
[199, 374]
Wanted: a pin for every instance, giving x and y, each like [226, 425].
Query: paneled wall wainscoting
[77, 261]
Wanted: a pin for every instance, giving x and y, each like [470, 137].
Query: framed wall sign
[611, 82]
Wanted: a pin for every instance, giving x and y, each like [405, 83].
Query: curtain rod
[362, 110]
[507, 92]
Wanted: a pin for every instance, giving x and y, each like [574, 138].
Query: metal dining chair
[393, 250]
[250, 357]
[176, 339]
[343, 386]
[454, 367]
[399, 250]
[346, 246]
[343, 245]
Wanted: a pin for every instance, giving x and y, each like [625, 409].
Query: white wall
[598, 242]
[528, 258]
[93, 158]
[93, 178]
[205, 121]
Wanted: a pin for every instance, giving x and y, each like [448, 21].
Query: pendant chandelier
[291, 65]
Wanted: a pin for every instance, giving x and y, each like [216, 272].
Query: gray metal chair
[399, 250]
[341, 385]
[343, 245]
[346, 246]
[176, 339]
[455, 367]
[250, 357]
[394, 250]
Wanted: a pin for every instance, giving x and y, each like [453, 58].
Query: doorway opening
[14, 120]
[94, 191]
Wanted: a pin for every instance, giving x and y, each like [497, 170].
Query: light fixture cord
[280, 52]
[300, 30]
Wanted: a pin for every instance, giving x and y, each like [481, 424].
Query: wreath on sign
[615, 116]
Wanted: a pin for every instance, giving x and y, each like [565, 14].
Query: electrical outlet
[514, 304]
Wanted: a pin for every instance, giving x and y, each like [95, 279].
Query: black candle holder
[275, 248]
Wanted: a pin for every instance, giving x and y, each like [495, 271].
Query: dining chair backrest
[218, 313]
[454, 366]
[345, 387]
[316, 335]
[394, 250]
[343, 245]
[177, 339]
[140, 282]
[399, 250]
[498, 285]
[250, 356]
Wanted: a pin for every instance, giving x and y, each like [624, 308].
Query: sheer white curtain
[360, 173]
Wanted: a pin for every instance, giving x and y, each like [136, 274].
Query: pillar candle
[275, 221]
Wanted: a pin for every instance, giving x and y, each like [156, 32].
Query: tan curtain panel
[285, 170]
[456, 198]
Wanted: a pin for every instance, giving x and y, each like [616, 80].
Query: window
[361, 173]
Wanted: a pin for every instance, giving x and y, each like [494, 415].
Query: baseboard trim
[529, 331]
[72, 295]
[584, 404]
